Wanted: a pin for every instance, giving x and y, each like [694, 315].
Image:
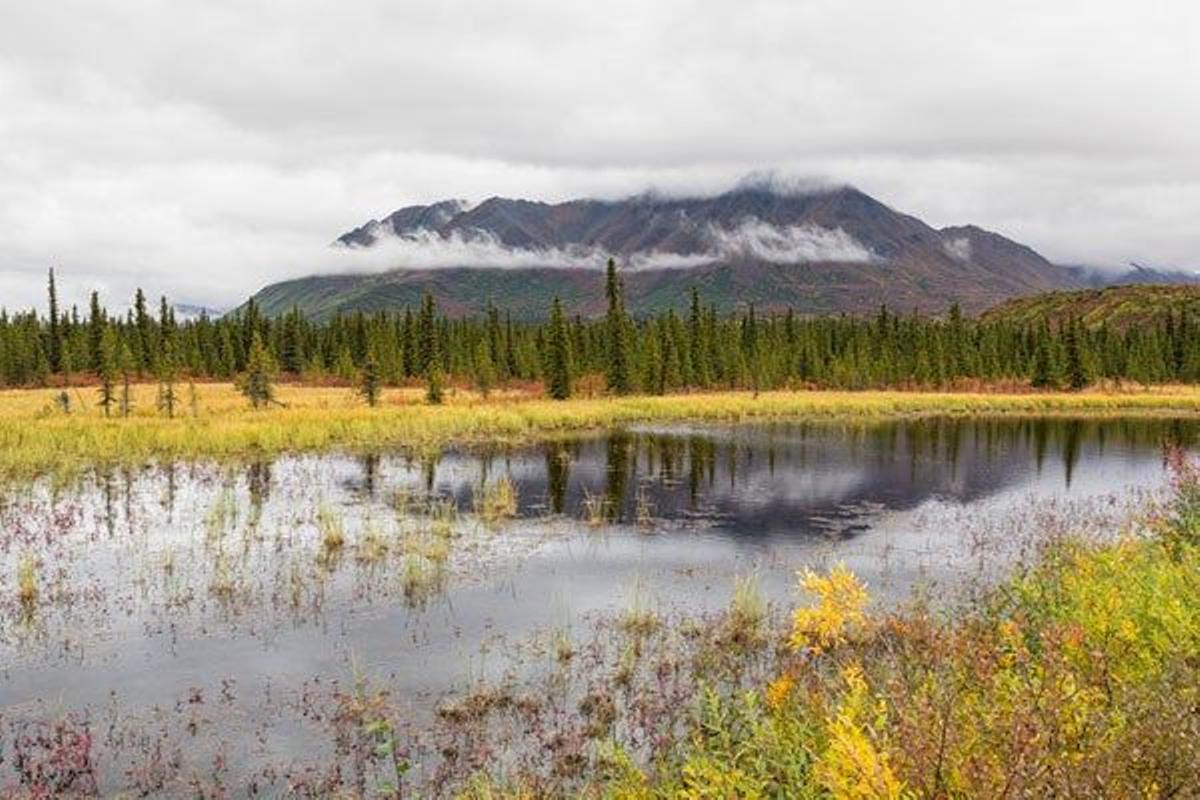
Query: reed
[27, 582]
[496, 501]
[36, 438]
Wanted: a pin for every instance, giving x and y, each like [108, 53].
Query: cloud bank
[752, 239]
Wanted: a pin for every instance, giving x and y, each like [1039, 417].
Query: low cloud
[752, 238]
[958, 248]
[794, 244]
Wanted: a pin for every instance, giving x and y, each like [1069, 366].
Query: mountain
[1120, 307]
[818, 251]
[1136, 274]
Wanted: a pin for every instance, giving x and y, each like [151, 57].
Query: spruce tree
[484, 368]
[430, 357]
[258, 382]
[107, 372]
[1077, 377]
[1045, 376]
[558, 379]
[54, 337]
[96, 329]
[141, 321]
[167, 373]
[368, 381]
[434, 390]
[617, 334]
[126, 364]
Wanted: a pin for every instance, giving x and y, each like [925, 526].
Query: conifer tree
[434, 390]
[484, 368]
[141, 321]
[617, 333]
[558, 379]
[1076, 369]
[167, 374]
[126, 364]
[54, 338]
[96, 329]
[258, 382]
[1045, 376]
[107, 372]
[369, 382]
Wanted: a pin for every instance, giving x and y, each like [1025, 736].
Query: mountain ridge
[829, 250]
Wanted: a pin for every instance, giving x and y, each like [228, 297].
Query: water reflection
[758, 480]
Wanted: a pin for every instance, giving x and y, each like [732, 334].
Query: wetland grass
[496, 501]
[36, 438]
[27, 582]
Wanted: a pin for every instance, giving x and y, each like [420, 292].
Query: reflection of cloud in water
[795, 478]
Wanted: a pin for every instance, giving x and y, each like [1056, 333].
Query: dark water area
[157, 583]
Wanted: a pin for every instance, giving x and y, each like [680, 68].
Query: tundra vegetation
[1078, 675]
[1074, 675]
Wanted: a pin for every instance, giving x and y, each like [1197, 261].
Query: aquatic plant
[331, 532]
[595, 508]
[372, 544]
[747, 615]
[644, 511]
[496, 501]
[27, 581]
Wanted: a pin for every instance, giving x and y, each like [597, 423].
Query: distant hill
[1119, 306]
[831, 250]
[1135, 274]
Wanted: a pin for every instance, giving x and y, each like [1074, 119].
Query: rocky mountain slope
[818, 251]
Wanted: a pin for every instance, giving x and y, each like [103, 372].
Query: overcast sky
[203, 149]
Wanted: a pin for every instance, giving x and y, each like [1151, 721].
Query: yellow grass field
[217, 423]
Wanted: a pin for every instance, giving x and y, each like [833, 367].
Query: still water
[161, 582]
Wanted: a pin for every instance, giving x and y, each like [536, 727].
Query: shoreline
[218, 424]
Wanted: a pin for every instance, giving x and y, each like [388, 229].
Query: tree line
[668, 352]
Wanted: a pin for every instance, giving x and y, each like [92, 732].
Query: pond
[212, 605]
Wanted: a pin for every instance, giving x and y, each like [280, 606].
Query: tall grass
[36, 437]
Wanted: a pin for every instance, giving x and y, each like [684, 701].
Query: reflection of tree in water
[702, 456]
[127, 482]
[370, 472]
[172, 488]
[1041, 433]
[258, 482]
[108, 489]
[1072, 440]
[429, 464]
[617, 472]
[558, 474]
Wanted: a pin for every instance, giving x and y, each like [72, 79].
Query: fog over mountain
[209, 158]
[819, 249]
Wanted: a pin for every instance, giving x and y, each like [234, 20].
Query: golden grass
[37, 438]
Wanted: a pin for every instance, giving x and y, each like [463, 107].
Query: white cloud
[205, 150]
[958, 248]
[793, 244]
[751, 238]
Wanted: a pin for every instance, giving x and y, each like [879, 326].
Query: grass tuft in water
[497, 501]
[27, 582]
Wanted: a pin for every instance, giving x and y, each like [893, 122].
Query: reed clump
[496, 501]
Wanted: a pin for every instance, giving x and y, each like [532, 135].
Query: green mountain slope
[1121, 307]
